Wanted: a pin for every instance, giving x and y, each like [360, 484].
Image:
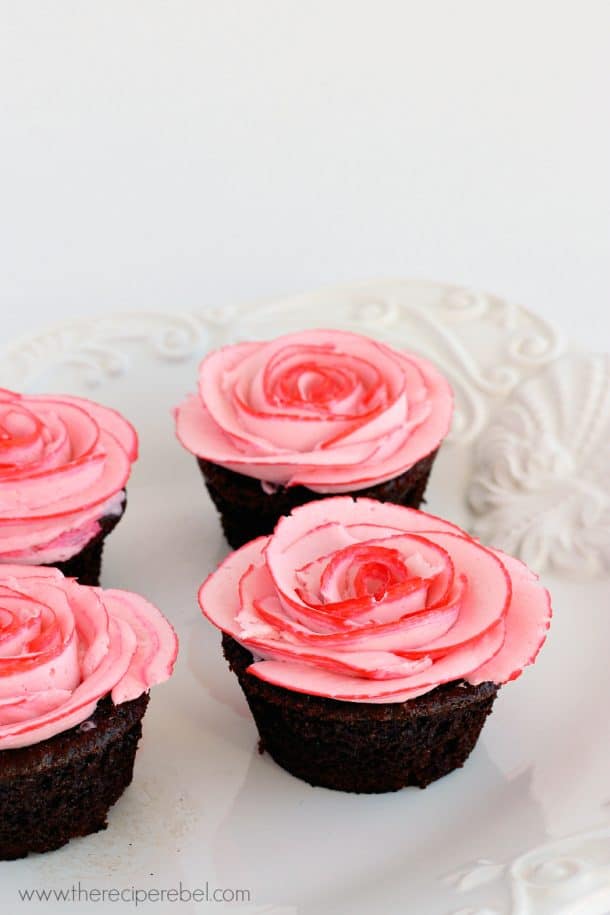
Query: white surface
[540, 485]
[522, 830]
[175, 155]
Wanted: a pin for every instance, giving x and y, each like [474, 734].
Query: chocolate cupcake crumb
[63, 787]
[247, 511]
[364, 747]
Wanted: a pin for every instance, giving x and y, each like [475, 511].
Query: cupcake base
[63, 787]
[86, 566]
[247, 511]
[364, 747]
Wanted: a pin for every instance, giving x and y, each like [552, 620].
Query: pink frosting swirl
[327, 409]
[365, 601]
[64, 646]
[64, 462]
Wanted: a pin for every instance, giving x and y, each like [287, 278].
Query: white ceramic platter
[524, 828]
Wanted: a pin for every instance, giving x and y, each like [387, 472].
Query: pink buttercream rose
[365, 601]
[327, 409]
[64, 462]
[64, 646]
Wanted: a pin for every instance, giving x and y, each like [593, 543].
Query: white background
[167, 155]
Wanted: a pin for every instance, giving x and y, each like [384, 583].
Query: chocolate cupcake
[76, 664]
[370, 640]
[323, 412]
[64, 463]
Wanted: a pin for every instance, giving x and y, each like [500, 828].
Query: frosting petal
[330, 410]
[64, 646]
[64, 462]
[365, 601]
